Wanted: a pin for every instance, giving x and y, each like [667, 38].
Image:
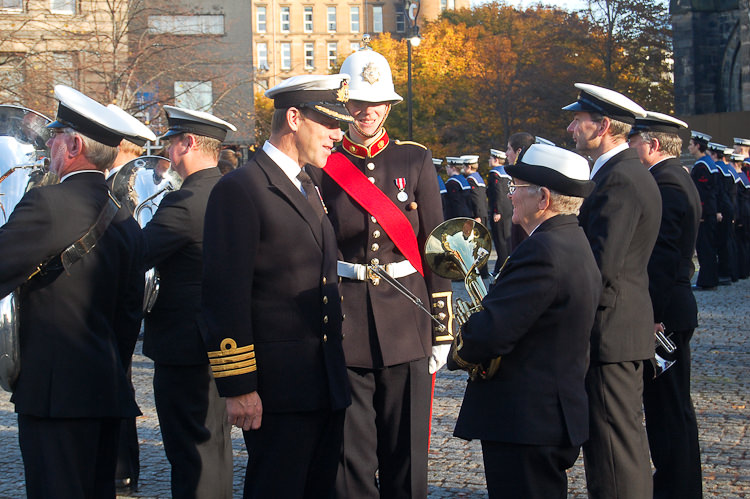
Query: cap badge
[342, 94]
[370, 73]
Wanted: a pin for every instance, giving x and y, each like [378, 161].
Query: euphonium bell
[456, 250]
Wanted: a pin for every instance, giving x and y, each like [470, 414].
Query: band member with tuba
[192, 415]
[670, 416]
[383, 200]
[77, 257]
[532, 416]
[271, 300]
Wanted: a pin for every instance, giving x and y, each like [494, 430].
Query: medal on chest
[401, 185]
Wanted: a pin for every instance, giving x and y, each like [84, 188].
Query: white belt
[358, 271]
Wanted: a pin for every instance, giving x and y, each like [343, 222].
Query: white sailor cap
[437, 162]
[719, 148]
[700, 136]
[496, 153]
[741, 142]
[141, 133]
[728, 151]
[454, 160]
[88, 117]
[657, 122]
[553, 167]
[470, 159]
[183, 120]
[542, 140]
[606, 102]
[326, 94]
[736, 156]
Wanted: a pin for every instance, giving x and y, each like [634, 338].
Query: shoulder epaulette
[405, 142]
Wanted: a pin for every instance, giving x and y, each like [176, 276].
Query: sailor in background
[532, 416]
[621, 219]
[392, 348]
[705, 175]
[192, 416]
[80, 309]
[500, 207]
[670, 416]
[742, 146]
[457, 199]
[441, 184]
[517, 143]
[726, 246]
[478, 193]
[742, 216]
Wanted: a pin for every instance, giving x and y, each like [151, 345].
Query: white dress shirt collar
[606, 157]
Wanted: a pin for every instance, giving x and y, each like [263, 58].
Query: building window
[400, 21]
[331, 19]
[187, 25]
[63, 72]
[196, 95]
[332, 55]
[308, 20]
[286, 56]
[309, 56]
[354, 19]
[285, 19]
[443, 5]
[354, 46]
[62, 6]
[377, 19]
[262, 56]
[12, 5]
[260, 20]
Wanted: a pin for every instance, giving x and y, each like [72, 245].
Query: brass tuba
[140, 185]
[456, 249]
[23, 166]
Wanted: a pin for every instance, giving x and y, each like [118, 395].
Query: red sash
[377, 204]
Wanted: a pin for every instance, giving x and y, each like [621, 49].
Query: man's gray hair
[100, 155]
[616, 128]
[560, 203]
[669, 143]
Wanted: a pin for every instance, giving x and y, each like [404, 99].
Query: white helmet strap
[377, 130]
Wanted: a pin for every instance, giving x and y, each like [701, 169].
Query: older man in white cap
[77, 257]
[670, 416]
[271, 300]
[383, 200]
[621, 219]
[531, 416]
[192, 415]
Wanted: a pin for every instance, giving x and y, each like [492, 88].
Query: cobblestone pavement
[721, 388]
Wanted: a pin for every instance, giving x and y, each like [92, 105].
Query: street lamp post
[412, 41]
[408, 87]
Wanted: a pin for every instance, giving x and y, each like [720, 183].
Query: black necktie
[311, 193]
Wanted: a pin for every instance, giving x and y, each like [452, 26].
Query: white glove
[439, 357]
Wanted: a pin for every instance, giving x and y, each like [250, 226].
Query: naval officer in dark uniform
[532, 415]
[621, 219]
[391, 347]
[670, 416]
[192, 416]
[271, 301]
[80, 311]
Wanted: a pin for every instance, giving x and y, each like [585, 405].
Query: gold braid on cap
[342, 94]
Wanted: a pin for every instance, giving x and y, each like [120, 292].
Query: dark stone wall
[710, 58]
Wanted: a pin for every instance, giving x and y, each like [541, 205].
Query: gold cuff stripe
[225, 374]
[232, 367]
[229, 347]
[231, 359]
[447, 337]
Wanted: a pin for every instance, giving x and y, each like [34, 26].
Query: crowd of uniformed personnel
[259, 266]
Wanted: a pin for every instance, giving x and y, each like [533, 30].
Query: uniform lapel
[280, 183]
